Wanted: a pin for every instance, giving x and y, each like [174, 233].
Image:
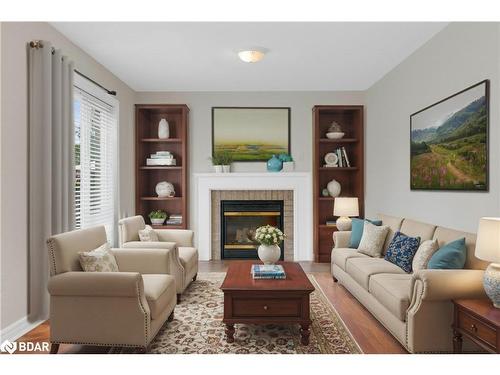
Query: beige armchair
[125, 308]
[183, 254]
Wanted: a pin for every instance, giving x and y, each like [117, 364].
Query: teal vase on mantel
[274, 164]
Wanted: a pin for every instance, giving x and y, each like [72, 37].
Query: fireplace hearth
[240, 219]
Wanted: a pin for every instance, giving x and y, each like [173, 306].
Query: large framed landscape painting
[449, 142]
[251, 134]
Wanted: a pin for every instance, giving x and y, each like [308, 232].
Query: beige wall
[14, 256]
[457, 57]
[200, 123]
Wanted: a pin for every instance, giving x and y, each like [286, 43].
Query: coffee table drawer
[264, 307]
[477, 328]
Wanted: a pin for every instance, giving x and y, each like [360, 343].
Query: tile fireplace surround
[294, 188]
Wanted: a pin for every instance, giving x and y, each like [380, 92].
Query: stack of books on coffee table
[268, 271]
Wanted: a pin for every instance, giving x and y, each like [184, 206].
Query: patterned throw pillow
[98, 260]
[373, 239]
[148, 234]
[401, 251]
[424, 253]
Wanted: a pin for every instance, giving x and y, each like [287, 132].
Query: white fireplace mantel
[299, 182]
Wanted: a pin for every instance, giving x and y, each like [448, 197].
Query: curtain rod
[38, 44]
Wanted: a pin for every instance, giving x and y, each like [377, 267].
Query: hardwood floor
[371, 336]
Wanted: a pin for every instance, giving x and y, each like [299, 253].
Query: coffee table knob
[265, 307]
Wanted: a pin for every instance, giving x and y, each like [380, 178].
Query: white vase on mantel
[163, 129]
[218, 168]
[269, 254]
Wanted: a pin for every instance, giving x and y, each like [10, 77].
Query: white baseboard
[17, 329]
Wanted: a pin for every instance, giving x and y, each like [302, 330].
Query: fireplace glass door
[240, 219]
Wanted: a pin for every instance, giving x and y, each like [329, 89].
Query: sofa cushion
[451, 256]
[159, 291]
[424, 253]
[188, 257]
[402, 250]
[445, 235]
[393, 291]
[415, 228]
[361, 269]
[340, 256]
[394, 224]
[373, 239]
[357, 230]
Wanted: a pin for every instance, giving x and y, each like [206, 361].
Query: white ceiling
[203, 56]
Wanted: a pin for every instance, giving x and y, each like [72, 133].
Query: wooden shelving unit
[351, 179]
[147, 117]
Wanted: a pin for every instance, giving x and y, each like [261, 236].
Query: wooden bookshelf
[351, 178]
[147, 117]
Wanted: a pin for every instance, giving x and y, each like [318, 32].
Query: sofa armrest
[341, 239]
[144, 261]
[182, 237]
[96, 284]
[441, 285]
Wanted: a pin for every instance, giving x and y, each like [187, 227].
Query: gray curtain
[51, 165]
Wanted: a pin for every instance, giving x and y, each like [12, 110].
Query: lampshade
[488, 239]
[346, 207]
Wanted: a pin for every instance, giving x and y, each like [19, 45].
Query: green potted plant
[221, 161]
[157, 217]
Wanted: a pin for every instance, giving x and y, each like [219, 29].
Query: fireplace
[240, 219]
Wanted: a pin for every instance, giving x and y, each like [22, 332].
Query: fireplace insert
[240, 219]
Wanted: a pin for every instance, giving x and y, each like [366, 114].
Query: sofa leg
[178, 298]
[195, 276]
[170, 317]
[54, 348]
[334, 279]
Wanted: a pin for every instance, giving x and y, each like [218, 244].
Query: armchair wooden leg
[195, 276]
[171, 317]
[334, 279]
[178, 298]
[54, 348]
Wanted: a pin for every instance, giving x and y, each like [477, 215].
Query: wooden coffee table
[250, 301]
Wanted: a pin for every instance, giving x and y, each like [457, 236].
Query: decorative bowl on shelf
[158, 221]
[334, 135]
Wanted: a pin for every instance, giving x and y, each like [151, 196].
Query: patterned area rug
[198, 328]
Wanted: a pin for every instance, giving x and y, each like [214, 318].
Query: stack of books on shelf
[161, 158]
[268, 271]
[343, 160]
[331, 222]
[174, 219]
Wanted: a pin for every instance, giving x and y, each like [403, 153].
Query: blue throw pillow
[401, 251]
[451, 256]
[357, 230]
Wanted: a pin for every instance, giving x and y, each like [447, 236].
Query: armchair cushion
[182, 237]
[96, 284]
[148, 234]
[160, 292]
[98, 260]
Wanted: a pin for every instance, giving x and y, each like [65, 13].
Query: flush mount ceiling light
[251, 55]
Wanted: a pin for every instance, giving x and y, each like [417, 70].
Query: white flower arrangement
[268, 235]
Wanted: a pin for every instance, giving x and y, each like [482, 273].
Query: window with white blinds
[95, 158]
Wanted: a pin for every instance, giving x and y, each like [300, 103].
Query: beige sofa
[125, 308]
[416, 308]
[183, 255]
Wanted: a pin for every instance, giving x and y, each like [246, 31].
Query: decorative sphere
[334, 188]
[165, 189]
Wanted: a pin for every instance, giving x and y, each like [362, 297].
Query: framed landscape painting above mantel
[251, 133]
[449, 142]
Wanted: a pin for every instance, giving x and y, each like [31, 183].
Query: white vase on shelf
[163, 129]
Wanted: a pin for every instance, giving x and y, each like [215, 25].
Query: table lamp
[345, 207]
[488, 249]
